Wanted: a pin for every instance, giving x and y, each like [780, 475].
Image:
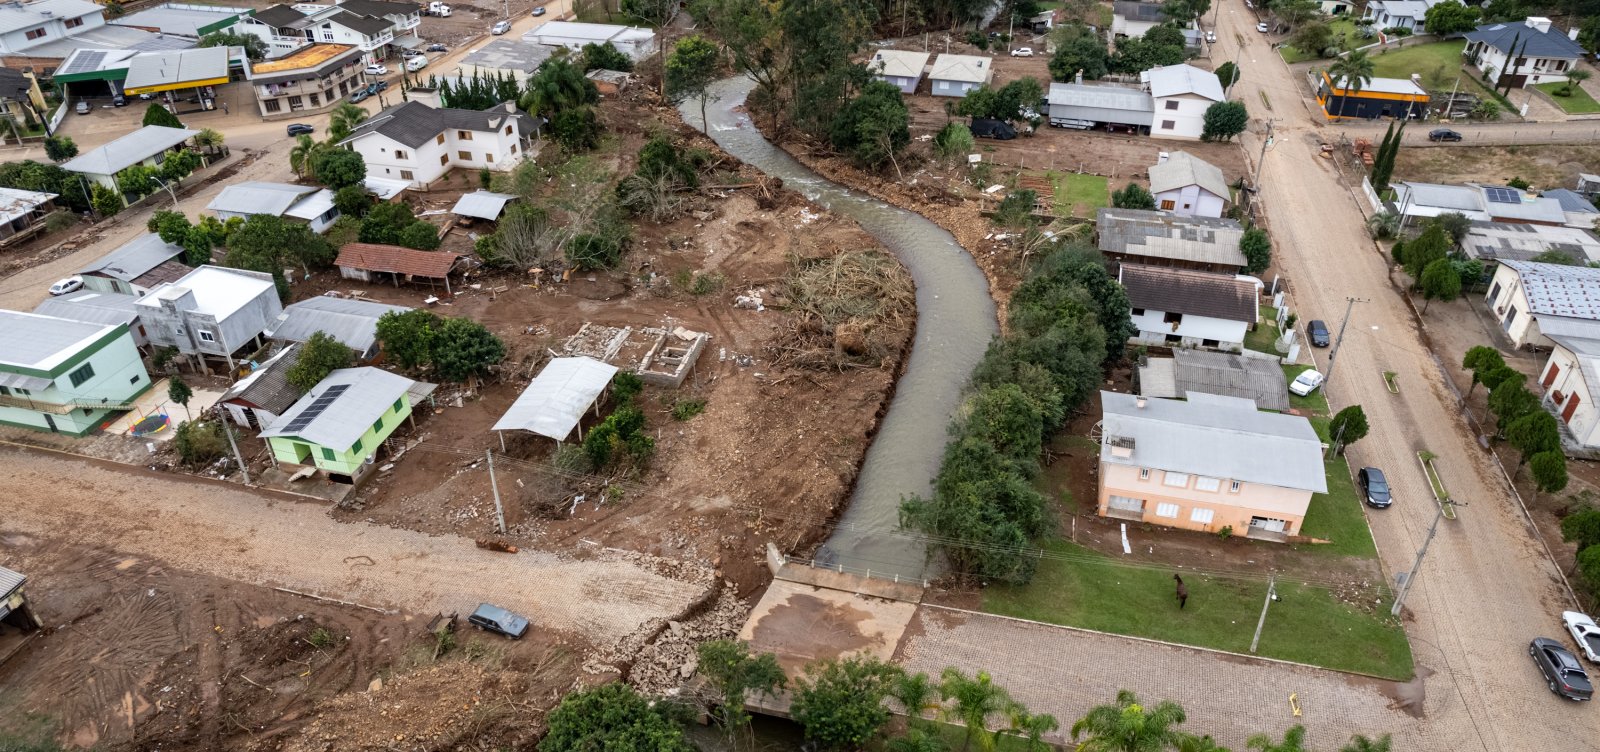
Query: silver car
[500, 28]
[492, 618]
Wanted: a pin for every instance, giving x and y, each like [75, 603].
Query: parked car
[1374, 487]
[82, 107]
[1262, 27]
[999, 130]
[417, 63]
[492, 618]
[1443, 134]
[358, 96]
[374, 87]
[1562, 672]
[411, 53]
[382, 86]
[1585, 632]
[300, 129]
[1211, 37]
[1022, 52]
[1307, 382]
[1317, 331]
[539, 11]
[377, 70]
[118, 100]
[70, 284]
[436, 47]
[500, 27]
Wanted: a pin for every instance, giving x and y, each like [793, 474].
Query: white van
[417, 63]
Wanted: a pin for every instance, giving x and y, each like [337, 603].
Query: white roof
[175, 18]
[1387, 86]
[177, 67]
[312, 206]
[15, 203]
[482, 204]
[1219, 437]
[1183, 169]
[218, 292]
[557, 397]
[1173, 80]
[967, 68]
[31, 340]
[1559, 290]
[899, 63]
[590, 31]
[368, 393]
[1460, 198]
[129, 150]
[255, 197]
[385, 188]
[27, 15]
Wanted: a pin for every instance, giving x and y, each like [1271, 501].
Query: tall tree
[1128, 726]
[1439, 282]
[976, 698]
[339, 168]
[1228, 74]
[1383, 163]
[1353, 72]
[734, 674]
[1432, 245]
[1083, 53]
[1348, 426]
[156, 114]
[254, 48]
[691, 69]
[407, 337]
[180, 392]
[60, 148]
[1224, 120]
[1450, 17]
[1257, 250]
[1549, 471]
[304, 154]
[319, 356]
[463, 348]
[874, 126]
[1532, 434]
[840, 703]
[343, 121]
[1133, 196]
[1479, 360]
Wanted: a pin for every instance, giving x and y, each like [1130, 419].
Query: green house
[338, 426]
[66, 376]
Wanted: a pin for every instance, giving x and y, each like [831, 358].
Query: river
[955, 321]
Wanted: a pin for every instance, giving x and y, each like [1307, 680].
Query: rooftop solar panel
[315, 409]
[88, 60]
[1503, 195]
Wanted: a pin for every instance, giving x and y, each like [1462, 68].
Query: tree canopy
[691, 69]
[874, 126]
[605, 57]
[840, 703]
[1450, 17]
[1133, 196]
[1080, 52]
[614, 717]
[319, 356]
[339, 168]
[1257, 249]
[156, 114]
[1224, 120]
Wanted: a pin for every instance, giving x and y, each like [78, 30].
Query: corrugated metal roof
[1528, 207]
[10, 581]
[900, 63]
[1214, 436]
[1140, 232]
[394, 259]
[1183, 169]
[134, 258]
[1106, 97]
[1173, 80]
[482, 204]
[1259, 379]
[30, 340]
[557, 398]
[312, 206]
[1521, 242]
[268, 386]
[92, 307]
[27, 15]
[1217, 296]
[129, 150]
[15, 203]
[257, 197]
[352, 322]
[1453, 197]
[509, 54]
[1559, 290]
[369, 394]
[1572, 201]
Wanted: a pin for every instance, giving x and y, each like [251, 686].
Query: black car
[1443, 134]
[999, 130]
[1374, 487]
[300, 129]
[436, 47]
[1562, 672]
[1318, 332]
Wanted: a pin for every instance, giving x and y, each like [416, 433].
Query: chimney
[1539, 23]
[1078, 79]
[1572, 33]
[1140, 402]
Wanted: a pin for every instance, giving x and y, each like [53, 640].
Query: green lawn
[1344, 37]
[1439, 63]
[1082, 588]
[1579, 103]
[1079, 195]
[1337, 515]
[1316, 403]
[1265, 334]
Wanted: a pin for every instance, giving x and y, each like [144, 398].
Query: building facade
[420, 144]
[1533, 301]
[211, 311]
[1568, 382]
[1377, 98]
[1521, 55]
[338, 426]
[65, 376]
[310, 79]
[955, 75]
[1181, 94]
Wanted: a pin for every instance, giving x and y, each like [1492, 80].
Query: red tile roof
[395, 259]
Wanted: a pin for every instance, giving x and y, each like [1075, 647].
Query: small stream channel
[955, 321]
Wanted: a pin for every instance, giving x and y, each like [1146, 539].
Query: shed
[1084, 106]
[556, 399]
[1227, 374]
[354, 323]
[14, 608]
[368, 262]
[257, 400]
[482, 205]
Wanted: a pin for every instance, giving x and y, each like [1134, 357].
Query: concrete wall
[1227, 507]
[1192, 330]
[1186, 113]
[351, 460]
[1563, 378]
[1191, 201]
[943, 88]
[176, 324]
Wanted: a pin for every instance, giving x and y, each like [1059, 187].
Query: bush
[614, 717]
[952, 141]
[1224, 120]
[1016, 209]
[199, 443]
[688, 407]
[588, 252]
[1133, 196]
[352, 200]
[619, 437]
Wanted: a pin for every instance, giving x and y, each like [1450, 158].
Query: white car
[1262, 27]
[500, 28]
[1022, 52]
[70, 284]
[1211, 36]
[1307, 382]
[377, 70]
[417, 63]
[1585, 632]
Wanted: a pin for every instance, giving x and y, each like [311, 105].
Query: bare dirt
[1543, 166]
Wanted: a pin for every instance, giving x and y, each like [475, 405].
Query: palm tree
[1294, 740]
[915, 692]
[1352, 72]
[1030, 726]
[344, 119]
[303, 154]
[1196, 743]
[976, 699]
[1359, 743]
[210, 138]
[1575, 78]
[1127, 726]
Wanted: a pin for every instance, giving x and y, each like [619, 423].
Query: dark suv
[1443, 134]
[1318, 332]
[1374, 487]
[492, 618]
[1562, 672]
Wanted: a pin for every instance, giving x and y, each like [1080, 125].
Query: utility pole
[227, 428]
[1263, 158]
[1405, 584]
[1349, 304]
[499, 511]
[1272, 592]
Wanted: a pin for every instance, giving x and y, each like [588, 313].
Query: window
[1167, 204]
[35, 33]
[1176, 480]
[1138, 311]
[1173, 339]
[82, 374]
[1144, 473]
[206, 336]
[1168, 125]
[1233, 486]
[1172, 104]
[400, 154]
[1209, 343]
[1172, 318]
[1202, 516]
[463, 135]
[328, 455]
[488, 158]
[444, 159]
[356, 447]
[315, 100]
[73, 23]
[464, 155]
[399, 404]
[134, 380]
[1203, 483]
[1166, 510]
[296, 102]
[1494, 292]
[508, 130]
[439, 139]
[513, 148]
[377, 425]
[406, 174]
[344, 88]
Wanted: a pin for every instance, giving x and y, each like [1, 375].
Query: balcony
[373, 43]
[407, 23]
[58, 408]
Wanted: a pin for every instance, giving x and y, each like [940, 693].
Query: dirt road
[239, 535]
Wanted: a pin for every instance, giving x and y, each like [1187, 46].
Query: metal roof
[1520, 242]
[1136, 11]
[1254, 378]
[218, 292]
[1460, 198]
[186, 19]
[268, 387]
[1571, 201]
[509, 54]
[1414, 9]
[129, 150]
[899, 63]
[31, 340]
[1215, 436]
[385, 188]
[1515, 204]
[1174, 80]
[482, 204]
[1586, 350]
[357, 397]
[1106, 97]
[1140, 232]
[161, 71]
[1183, 169]
[312, 206]
[591, 32]
[365, 25]
[354, 323]
[1218, 296]
[965, 68]
[111, 38]
[255, 197]
[91, 306]
[1382, 86]
[279, 16]
[28, 15]
[15, 203]
[556, 399]
[1559, 290]
[1528, 40]
[379, 7]
[134, 258]
[10, 582]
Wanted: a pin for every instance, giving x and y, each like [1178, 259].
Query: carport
[554, 402]
[482, 205]
[171, 73]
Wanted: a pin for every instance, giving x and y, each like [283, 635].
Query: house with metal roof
[183, 19]
[1500, 241]
[211, 312]
[1183, 308]
[1427, 200]
[136, 267]
[1579, 211]
[15, 612]
[1132, 19]
[1374, 98]
[637, 43]
[903, 68]
[376, 262]
[1532, 301]
[1207, 462]
[1522, 54]
[1180, 96]
[1246, 375]
[147, 146]
[1189, 186]
[340, 424]
[505, 57]
[1399, 14]
[22, 213]
[24, 27]
[421, 144]
[955, 75]
[1084, 106]
[1569, 388]
[65, 376]
[257, 400]
[305, 204]
[96, 307]
[354, 323]
[1154, 238]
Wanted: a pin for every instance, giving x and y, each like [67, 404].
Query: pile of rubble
[663, 666]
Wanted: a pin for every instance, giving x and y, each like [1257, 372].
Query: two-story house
[338, 426]
[280, 27]
[1570, 380]
[1183, 308]
[420, 144]
[312, 78]
[1189, 186]
[1181, 95]
[1410, 15]
[286, 29]
[211, 312]
[65, 376]
[1207, 463]
[1535, 301]
[1521, 55]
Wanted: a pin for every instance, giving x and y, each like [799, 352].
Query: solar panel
[1503, 195]
[85, 61]
[314, 410]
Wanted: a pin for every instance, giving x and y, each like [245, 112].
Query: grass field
[1315, 403]
[1079, 195]
[1579, 103]
[1344, 37]
[1337, 516]
[1265, 334]
[1081, 588]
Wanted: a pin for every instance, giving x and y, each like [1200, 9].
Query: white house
[1133, 19]
[955, 75]
[632, 41]
[1181, 95]
[902, 68]
[146, 146]
[211, 311]
[282, 28]
[1185, 308]
[1399, 14]
[52, 29]
[308, 204]
[420, 144]
[1337, 7]
[1535, 301]
[373, 26]
[1188, 186]
[1569, 380]
[1543, 55]
[505, 57]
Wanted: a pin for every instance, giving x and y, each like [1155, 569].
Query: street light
[1410, 577]
[170, 192]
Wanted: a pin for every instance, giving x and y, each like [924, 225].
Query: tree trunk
[705, 124]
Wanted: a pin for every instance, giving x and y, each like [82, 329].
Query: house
[282, 28]
[955, 75]
[257, 400]
[309, 79]
[65, 376]
[1183, 308]
[1042, 22]
[372, 26]
[1580, 212]
[505, 57]
[1207, 463]
[1533, 300]
[182, 19]
[1133, 19]
[632, 41]
[136, 267]
[40, 34]
[1500, 241]
[305, 204]
[1378, 97]
[1506, 204]
[418, 143]
[22, 213]
[903, 68]
[1427, 200]
[1159, 239]
[354, 323]
[20, 96]
[338, 426]
[147, 146]
[374, 262]
[1189, 186]
[211, 311]
[1085, 106]
[1569, 381]
[1399, 14]
[95, 307]
[1542, 54]
[402, 17]
[1181, 94]
[1257, 379]
[1336, 7]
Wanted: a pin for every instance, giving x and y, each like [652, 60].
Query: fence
[1371, 194]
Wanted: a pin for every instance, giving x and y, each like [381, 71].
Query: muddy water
[955, 320]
